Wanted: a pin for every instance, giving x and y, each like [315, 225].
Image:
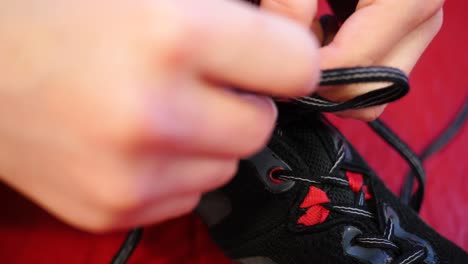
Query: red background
[439, 86]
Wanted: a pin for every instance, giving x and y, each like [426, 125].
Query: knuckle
[178, 41]
[119, 120]
[127, 133]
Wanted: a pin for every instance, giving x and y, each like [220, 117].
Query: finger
[407, 52]
[318, 31]
[163, 210]
[166, 186]
[160, 176]
[374, 29]
[302, 11]
[256, 51]
[403, 56]
[205, 119]
[170, 208]
[367, 114]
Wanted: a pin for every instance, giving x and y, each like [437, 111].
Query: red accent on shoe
[315, 213]
[355, 181]
[315, 196]
[366, 192]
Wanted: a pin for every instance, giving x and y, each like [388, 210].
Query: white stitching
[390, 231]
[307, 102]
[340, 158]
[376, 241]
[358, 70]
[357, 213]
[354, 210]
[297, 179]
[412, 257]
[375, 99]
[336, 179]
[361, 75]
[308, 98]
[366, 69]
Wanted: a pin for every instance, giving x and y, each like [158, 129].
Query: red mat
[440, 83]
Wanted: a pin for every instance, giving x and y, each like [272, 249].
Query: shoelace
[439, 142]
[128, 246]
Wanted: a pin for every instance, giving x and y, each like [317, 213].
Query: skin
[115, 113]
[391, 33]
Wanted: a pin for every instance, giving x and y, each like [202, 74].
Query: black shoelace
[439, 142]
[129, 245]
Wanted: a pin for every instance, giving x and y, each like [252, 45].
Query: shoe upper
[310, 198]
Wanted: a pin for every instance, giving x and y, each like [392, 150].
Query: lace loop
[398, 88]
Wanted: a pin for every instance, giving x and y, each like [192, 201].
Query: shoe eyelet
[266, 162]
[366, 255]
[352, 241]
[272, 178]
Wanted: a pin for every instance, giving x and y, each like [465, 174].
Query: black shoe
[310, 198]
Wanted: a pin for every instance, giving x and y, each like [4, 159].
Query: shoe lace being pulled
[397, 88]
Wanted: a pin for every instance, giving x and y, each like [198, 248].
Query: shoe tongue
[313, 139]
[320, 147]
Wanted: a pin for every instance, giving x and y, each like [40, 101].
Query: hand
[115, 114]
[391, 33]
